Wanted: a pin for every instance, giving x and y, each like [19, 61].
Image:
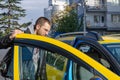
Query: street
[2, 54]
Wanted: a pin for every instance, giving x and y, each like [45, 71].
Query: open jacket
[42, 58]
[5, 42]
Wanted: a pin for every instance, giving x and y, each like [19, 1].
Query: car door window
[95, 53]
[57, 65]
[85, 72]
[114, 50]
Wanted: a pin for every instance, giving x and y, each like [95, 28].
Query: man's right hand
[14, 33]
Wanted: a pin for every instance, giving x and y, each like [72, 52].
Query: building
[99, 15]
[54, 7]
[102, 15]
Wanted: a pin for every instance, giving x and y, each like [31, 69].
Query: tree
[67, 20]
[68, 23]
[11, 12]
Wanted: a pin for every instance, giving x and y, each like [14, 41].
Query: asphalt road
[2, 54]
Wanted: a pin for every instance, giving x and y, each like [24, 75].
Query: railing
[96, 7]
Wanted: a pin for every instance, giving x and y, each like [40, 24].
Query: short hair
[40, 21]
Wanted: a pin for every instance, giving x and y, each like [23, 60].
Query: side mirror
[96, 78]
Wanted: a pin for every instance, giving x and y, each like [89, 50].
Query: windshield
[114, 49]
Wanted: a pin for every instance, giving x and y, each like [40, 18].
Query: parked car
[104, 49]
[58, 57]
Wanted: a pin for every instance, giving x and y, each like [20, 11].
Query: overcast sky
[34, 9]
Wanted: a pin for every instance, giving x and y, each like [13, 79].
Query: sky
[34, 9]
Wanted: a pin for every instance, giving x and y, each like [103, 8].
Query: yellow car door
[57, 56]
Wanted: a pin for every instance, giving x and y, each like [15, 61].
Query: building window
[116, 2]
[102, 19]
[115, 18]
[99, 19]
[119, 18]
[119, 2]
[96, 20]
[97, 2]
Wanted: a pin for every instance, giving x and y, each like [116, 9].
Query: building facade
[99, 15]
[103, 15]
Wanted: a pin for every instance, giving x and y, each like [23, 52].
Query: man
[42, 27]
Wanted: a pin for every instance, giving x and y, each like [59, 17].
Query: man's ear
[37, 26]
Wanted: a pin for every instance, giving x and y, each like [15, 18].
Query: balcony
[113, 28]
[100, 26]
[96, 8]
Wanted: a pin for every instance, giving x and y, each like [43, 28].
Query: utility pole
[9, 15]
[84, 18]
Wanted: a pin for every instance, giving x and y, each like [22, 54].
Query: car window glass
[115, 50]
[94, 53]
[57, 66]
[6, 65]
[84, 72]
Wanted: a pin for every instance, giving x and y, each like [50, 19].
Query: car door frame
[58, 46]
[82, 39]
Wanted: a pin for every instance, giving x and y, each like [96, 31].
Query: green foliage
[67, 20]
[68, 23]
[11, 12]
[26, 24]
[1, 34]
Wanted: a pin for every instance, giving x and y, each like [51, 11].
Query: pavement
[2, 54]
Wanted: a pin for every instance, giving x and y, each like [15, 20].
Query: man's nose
[46, 34]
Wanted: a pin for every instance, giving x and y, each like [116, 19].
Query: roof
[111, 37]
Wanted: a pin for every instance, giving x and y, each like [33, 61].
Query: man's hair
[41, 21]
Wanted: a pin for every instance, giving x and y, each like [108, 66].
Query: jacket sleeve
[5, 42]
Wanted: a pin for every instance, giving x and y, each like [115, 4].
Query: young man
[42, 27]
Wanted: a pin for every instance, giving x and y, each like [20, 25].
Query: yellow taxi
[103, 49]
[59, 57]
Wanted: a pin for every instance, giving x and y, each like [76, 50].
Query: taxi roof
[69, 35]
[113, 38]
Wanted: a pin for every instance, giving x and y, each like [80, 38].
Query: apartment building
[102, 15]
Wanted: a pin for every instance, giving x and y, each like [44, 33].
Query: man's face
[43, 30]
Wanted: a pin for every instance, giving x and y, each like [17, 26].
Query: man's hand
[15, 32]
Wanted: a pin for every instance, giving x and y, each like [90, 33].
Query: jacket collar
[30, 30]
